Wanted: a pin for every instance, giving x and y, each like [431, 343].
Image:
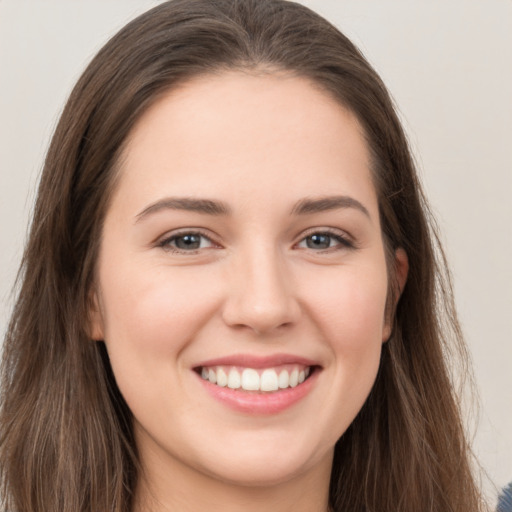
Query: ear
[399, 273]
[95, 327]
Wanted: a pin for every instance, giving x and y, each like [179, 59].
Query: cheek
[355, 335]
[350, 308]
[150, 319]
[350, 315]
[154, 312]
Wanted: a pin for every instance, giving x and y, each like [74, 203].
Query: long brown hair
[66, 440]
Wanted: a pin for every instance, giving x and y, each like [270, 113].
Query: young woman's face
[242, 284]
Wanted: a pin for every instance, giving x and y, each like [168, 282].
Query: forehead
[244, 131]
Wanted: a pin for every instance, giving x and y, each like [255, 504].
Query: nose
[261, 293]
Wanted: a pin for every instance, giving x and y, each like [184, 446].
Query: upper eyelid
[175, 233]
[336, 232]
[323, 229]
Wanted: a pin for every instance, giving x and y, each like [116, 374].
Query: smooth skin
[257, 273]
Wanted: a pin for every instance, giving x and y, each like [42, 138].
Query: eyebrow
[212, 207]
[206, 206]
[322, 204]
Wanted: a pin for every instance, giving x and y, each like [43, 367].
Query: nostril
[261, 317]
[260, 293]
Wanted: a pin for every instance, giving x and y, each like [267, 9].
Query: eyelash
[343, 241]
[166, 242]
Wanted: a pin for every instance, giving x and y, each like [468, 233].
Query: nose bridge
[261, 292]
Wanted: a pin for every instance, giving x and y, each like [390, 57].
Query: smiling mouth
[261, 380]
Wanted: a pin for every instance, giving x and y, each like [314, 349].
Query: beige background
[447, 63]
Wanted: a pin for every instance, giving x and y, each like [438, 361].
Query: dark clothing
[505, 500]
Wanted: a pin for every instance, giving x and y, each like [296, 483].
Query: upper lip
[254, 361]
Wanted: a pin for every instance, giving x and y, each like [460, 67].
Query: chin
[267, 464]
[259, 473]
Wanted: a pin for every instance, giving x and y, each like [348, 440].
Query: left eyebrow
[322, 204]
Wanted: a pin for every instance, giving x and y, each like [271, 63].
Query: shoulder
[505, 500]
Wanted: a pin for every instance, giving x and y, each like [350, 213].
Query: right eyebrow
[205, 206]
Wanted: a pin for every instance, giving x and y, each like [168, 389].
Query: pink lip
[260, 403]
[254, 402]
[251, 361]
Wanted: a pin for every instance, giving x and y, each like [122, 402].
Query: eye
[186, 242]
[324, 240]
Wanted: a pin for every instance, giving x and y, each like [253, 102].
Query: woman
[231, 295]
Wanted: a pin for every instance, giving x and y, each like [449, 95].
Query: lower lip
[260, 403]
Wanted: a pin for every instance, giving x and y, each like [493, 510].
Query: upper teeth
[249, 379]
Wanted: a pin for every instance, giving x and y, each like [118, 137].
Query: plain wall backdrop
[448, 64]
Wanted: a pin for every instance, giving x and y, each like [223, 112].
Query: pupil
[318, 241]
[188, 242]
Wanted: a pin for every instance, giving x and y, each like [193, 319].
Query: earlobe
[399, 275]
[95, 318]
